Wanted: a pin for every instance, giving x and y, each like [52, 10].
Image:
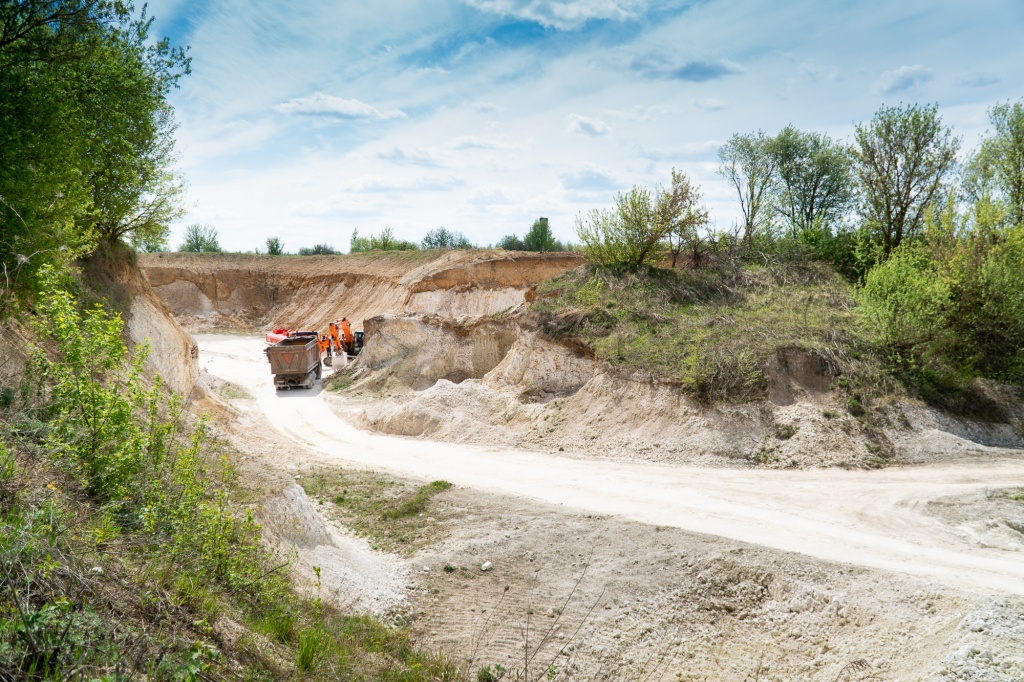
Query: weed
[310, 644]
[785, 431]
[418, 502]
[829, 414]
[448, 568]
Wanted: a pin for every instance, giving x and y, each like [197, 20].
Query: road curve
[867, 518]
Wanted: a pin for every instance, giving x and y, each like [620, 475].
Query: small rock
[977, 626]
[97, 569]
[486, 566]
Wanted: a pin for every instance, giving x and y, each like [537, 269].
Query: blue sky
[308, 120]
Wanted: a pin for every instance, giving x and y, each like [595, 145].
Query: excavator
[339, 339]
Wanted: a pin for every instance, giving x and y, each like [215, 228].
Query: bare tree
[902, 156]
[748, 165]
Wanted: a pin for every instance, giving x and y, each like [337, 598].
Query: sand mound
[503, 382]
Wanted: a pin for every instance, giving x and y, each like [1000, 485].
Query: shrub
[443, 238]
[200, 239]
[275, 247]
[626, 236]
[318, 250]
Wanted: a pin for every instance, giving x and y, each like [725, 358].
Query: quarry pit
[620, 519]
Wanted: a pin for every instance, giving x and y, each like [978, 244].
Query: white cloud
[416, 157]
[903, 79]
[709, 104]
[330, 106]
[385, 184]
[562, 14]
[582, 125]
[690, 150]
[589, 177]
[474, 142]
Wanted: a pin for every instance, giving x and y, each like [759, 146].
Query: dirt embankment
[504, 382]
[252, 293]
[147, 319]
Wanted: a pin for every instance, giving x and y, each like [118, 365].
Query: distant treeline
[205, 239]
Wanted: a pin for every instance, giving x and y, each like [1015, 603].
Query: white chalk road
[875, 519]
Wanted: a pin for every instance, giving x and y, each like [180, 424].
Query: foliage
[814, 182]
[682, 218]
[995, 171]
[747, 163]
[200, 239]
[511, 242]
[713, 332]
[540, 238]
[443, 238]
[385, 241]
[903, 156]
[121, 544]
[318, 250]
[625, 236]
[275, 247]
[951, 307]
[85, 132]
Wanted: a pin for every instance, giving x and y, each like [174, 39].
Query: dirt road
[868, 518]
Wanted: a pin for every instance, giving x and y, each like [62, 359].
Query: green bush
[951, 308]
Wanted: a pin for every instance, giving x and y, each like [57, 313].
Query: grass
[392, 515]
[234, 392]
[713, 332]
[127, 539]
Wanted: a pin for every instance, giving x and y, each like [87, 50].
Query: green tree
[318, 250]
[443, 238]
[814, 179]
[539, 238]
[385, 241]
[85, 131]
[627, 235]
[902, 158]
[200, 239]
[747, 163]
[275, 247]
[511, 242]
[995, 171]
[681, 216]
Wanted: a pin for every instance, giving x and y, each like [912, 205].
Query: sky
[308, 120]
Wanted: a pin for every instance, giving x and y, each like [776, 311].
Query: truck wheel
[319, 371]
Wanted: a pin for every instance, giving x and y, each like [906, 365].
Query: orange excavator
[343, 339]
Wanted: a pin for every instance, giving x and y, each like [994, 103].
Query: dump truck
[295, 362]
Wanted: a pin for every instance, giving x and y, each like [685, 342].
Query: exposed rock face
[147, 319]
[252, 293]
[502, 382]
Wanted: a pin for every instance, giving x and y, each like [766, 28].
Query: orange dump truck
[295, 362]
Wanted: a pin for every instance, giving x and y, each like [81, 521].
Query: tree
[85, 131]
[318, 250]
[443, 238]
[200, 239]
[749, 166]
[275, 247]
[814, 179]
[902, 157]
[511, 242]
[539, 238]
[627, 235]
[996, 169]
[385, 241]
[681, 217]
